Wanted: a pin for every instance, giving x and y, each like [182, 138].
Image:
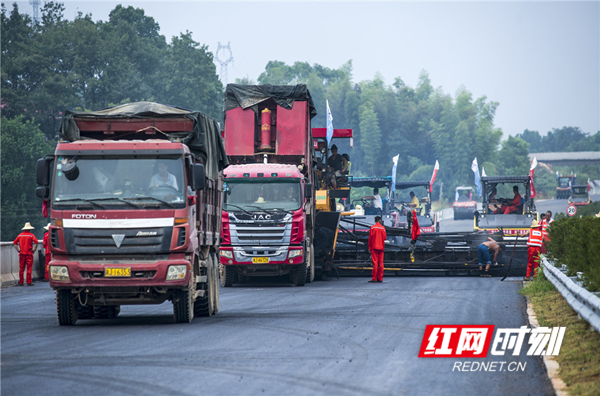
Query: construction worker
[346, 169]
[534, 243]
[483, 252]
[377, 237]
[514, 204]
[48, 256]
[414, 202]
[26, 244]
[547, 219]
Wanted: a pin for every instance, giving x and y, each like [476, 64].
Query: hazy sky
[539, 60]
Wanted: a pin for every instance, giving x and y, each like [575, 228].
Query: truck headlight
[227, 254]
[176, 272]
[295, 253]
[59, 273]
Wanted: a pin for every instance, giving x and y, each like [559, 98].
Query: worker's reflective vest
[535, 237]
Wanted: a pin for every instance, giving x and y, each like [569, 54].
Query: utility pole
[223, 63]
[36, 8]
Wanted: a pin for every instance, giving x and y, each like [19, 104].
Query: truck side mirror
[198, 177]
[308, 190]
[42, 192]
[43, 171]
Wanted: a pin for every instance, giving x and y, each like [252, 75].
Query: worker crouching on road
[26, 244]
[483, 252]
[377, 237]
[48, 256]
[534, 243]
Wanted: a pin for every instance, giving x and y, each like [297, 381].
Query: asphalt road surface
[337, 337]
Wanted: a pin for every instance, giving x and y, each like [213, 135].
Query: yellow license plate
[123, 272]
[260, 260]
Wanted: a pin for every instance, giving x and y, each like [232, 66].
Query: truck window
[252, 195]
[117, 181]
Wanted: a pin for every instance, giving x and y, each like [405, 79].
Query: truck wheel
[455, 218]
[183, 306]
[228, 275]
[84, 311]
[437, 227]
[65, 308]
[203, 305]
[299, 275]
[106, 311]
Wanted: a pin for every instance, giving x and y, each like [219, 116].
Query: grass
[579, 356]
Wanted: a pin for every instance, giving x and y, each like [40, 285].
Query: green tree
[190, 77]
[23, 143]
[370, 138]
[514, 157]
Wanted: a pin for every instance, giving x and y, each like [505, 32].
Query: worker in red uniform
[545, 235]
[514, 204]
[377, 237]
[48, 256]
[534, 243]
[26, 244]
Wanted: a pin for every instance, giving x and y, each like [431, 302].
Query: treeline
[58, 64]
[563, 139]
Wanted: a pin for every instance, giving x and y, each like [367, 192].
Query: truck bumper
[86, 275]
[279, 255]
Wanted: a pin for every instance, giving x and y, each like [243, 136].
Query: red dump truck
[134, 195]
[268, 210]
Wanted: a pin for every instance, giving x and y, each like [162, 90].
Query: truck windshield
[120, 183]
[255, 194]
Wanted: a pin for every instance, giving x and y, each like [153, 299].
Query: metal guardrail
[586, 304]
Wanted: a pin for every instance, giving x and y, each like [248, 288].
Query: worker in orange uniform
[26, 244]
[377, 237]
[48, 256]
[534, 243]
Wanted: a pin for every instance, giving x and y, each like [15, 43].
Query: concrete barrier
[9, 264]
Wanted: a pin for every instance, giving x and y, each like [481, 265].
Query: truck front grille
[118, 241]
[258, 234]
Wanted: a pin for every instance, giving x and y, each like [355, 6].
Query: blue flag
[329, 124]
[475, 168]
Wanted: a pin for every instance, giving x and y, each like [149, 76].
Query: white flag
[483, 172]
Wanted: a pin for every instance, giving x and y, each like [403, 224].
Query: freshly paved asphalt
[336, 337]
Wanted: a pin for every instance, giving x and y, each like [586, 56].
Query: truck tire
[228, 275]
[203, 305]
[183, 306]
[66, 310]
[84, 311]
[299, 274]
[106, 311]
[455, 217]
